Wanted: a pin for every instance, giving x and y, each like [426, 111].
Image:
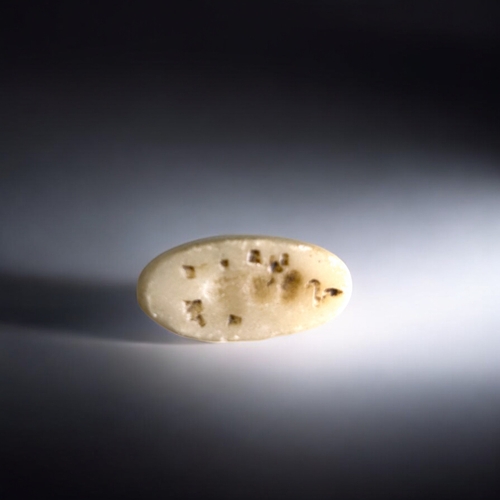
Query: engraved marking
[190, 272]
[254, 256]
[224, 263]
[317, 294]
[290, 285]
[194, 306]
[284, 259]
[233, 319]
[201, 321]
[274, 266]
[319, 297]
[193, 309]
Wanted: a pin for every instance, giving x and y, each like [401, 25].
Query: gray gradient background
[367, 128]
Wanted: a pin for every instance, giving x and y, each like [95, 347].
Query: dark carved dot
[190, 272]
[275, 267]
[284, 259]
[224, 263]
[254, 256]
[234, 320]
[193, 309]
[333, 291]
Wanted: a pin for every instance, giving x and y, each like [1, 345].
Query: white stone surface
[233, 288]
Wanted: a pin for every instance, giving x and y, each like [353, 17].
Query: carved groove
[317, 294]
[274, 266]
[319, 297]
[193, 310]
[190, 272]
[284, 259]
[254, 257]
[201, 321]
[234, 320]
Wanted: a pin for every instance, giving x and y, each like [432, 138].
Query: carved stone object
[234, 288]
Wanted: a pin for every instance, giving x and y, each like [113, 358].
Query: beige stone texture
[237, 288]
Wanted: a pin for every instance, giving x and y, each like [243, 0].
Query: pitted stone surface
[232, 288]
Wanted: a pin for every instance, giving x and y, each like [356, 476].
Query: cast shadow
[102, 311]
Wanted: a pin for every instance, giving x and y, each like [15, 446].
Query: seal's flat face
[243, 288]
